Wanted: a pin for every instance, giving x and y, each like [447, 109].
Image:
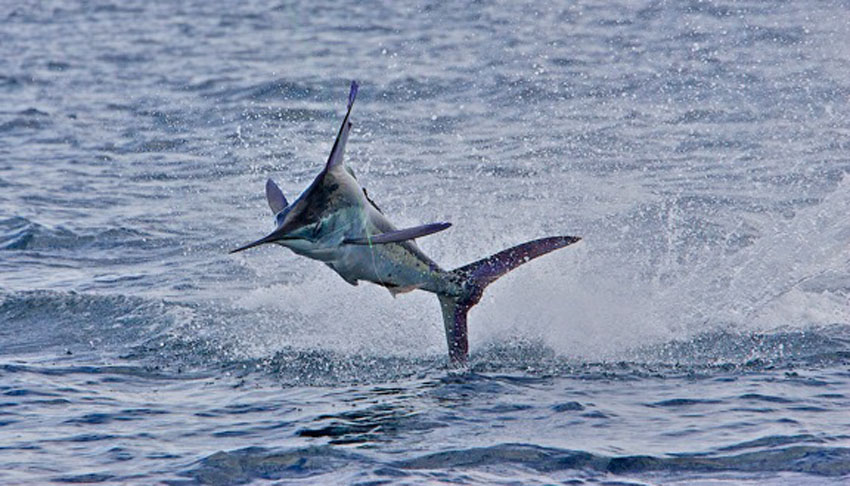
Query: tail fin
[475, 277]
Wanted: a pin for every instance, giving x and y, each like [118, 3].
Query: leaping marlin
[334, 221]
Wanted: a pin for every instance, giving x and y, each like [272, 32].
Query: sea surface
[699, 334]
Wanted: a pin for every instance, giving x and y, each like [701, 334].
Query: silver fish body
[334, 221]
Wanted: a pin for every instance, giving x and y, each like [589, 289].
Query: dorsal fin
[275, 197]
[338, 150]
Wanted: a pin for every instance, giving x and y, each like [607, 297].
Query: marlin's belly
[390, 265]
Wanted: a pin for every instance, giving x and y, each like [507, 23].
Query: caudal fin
[475, 277]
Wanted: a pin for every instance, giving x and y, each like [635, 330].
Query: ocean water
[699, 334]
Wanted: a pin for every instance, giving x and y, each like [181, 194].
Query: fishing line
[371, 249]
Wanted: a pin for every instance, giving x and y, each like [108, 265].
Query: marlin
[335, 222]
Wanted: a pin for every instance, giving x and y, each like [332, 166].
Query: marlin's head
[313, 221]
[309, 223]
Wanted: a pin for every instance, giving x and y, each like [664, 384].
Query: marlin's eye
[280, 216]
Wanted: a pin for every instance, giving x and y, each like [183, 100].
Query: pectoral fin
[277, 202]
[398, 235]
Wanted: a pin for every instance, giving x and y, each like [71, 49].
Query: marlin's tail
[475, 277]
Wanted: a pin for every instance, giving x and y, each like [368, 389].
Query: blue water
[699, 334]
